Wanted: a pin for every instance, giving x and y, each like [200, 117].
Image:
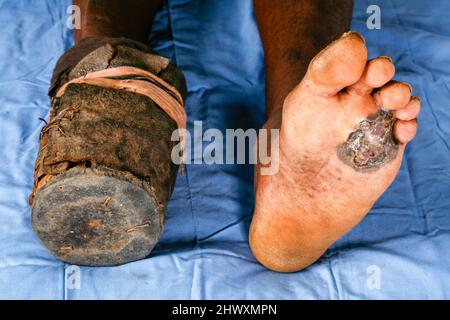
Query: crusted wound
[371, 145]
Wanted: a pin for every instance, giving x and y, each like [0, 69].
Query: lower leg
[116, 18]
[292, 33]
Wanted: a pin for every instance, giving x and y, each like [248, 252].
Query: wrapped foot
[104, 174]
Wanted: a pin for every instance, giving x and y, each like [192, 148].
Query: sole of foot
[343, 133]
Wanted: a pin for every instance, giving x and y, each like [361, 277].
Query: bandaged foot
[104, 173]
[343, 133]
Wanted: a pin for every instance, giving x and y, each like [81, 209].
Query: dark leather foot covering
[103, 175]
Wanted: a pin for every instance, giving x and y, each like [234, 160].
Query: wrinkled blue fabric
[400, 250]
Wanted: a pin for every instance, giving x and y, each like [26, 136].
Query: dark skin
[292, 32]
[116, 18]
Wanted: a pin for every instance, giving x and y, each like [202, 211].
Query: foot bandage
[104, 173]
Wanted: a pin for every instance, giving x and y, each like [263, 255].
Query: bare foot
[343, 134]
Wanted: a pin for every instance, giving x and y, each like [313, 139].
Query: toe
[411, 111]
[395, 95]
[377, 73]
[404, 131]
[339, 65]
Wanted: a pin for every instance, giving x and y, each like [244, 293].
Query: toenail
[350, 33]
[387, 58]
[409, 86]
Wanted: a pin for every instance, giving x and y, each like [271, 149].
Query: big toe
[339, 65]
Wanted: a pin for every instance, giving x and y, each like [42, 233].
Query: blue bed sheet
[401, 250]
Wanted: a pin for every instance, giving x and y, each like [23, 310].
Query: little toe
[378, 72]
[405, 131]
[394, 95]
[411, 111]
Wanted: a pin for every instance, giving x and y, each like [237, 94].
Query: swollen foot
[104, 174]
[343, 134]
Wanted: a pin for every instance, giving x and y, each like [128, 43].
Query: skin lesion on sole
[372, 145]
